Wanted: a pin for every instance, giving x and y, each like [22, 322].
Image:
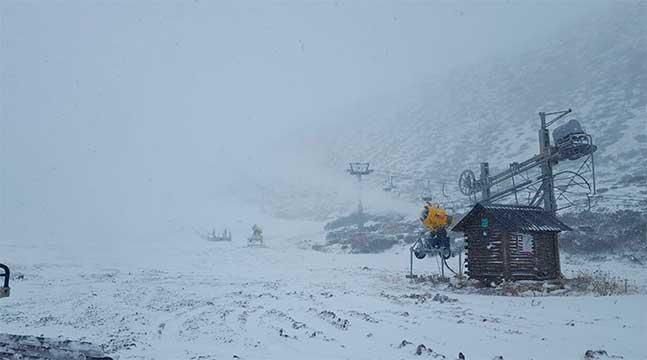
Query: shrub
[599, 283]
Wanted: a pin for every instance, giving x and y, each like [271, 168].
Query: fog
[135, 119]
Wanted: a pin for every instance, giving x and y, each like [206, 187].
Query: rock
[33, 347]
[599, 355]
[404, 343]
[590, 354]
[443, 298]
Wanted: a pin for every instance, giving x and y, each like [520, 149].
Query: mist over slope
[488, 112]
[149, 122]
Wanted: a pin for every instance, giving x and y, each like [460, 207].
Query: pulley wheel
[467, 183]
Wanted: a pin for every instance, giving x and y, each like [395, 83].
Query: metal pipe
[593, 165]
[516, 198]
[411, 261]
[442, 267]
[536, 198]
[562, 114]
[460, 264]
[510, 190]
[521, 167]
[484, 182]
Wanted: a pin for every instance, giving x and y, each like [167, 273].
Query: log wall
[493, 254]
[485, 255]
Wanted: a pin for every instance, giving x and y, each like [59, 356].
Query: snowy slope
[488, 112]
[191, 299]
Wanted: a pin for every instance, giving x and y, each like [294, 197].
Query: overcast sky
[123, 114]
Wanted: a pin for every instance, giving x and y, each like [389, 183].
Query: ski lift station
[511, 242]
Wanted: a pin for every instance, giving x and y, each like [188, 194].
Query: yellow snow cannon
[434, 239]
[434, 217]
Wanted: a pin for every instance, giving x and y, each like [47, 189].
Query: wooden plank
[506, 256]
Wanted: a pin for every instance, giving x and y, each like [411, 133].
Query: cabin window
[524, 243]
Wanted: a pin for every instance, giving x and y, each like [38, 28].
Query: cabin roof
[514, 218]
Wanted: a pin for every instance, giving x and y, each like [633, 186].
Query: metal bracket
[5, 290]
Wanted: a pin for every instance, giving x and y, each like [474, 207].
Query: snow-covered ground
[186, 298]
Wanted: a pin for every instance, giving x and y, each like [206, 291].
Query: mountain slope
[489, 112]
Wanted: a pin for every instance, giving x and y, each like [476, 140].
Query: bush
[599, 283]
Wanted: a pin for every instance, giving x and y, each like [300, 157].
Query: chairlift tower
[547, 183]
[570, 143]
[359, 169]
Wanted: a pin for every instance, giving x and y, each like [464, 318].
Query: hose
[450, 269]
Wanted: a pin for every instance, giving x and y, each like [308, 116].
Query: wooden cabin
[511, 242]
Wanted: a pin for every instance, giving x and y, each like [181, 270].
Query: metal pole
[460, 264]
[359, 169]
[516, 199]
[546, 167]
[360, 206]
[442, 266]
[411, 262]
[593, 171]
[485, 182]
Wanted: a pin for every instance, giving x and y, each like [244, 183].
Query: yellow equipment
[434, 218]
[434, 239]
